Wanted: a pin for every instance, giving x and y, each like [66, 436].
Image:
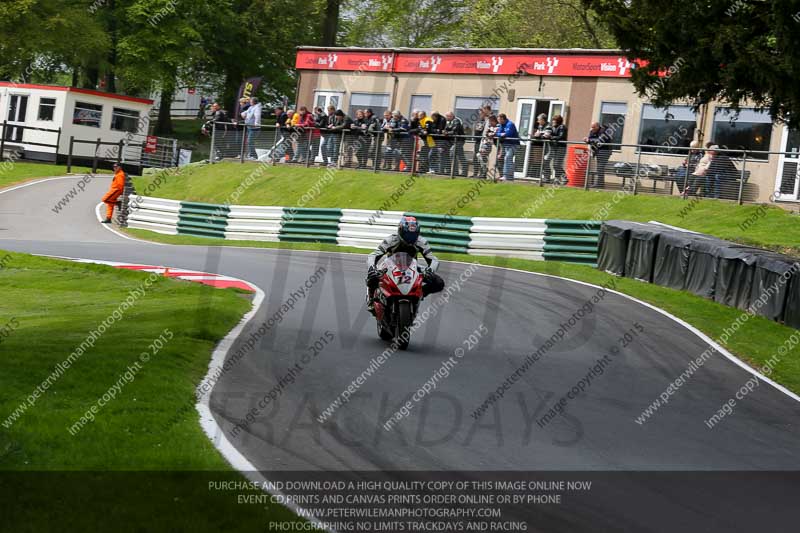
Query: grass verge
[144, 455]
[755, 342]
[19, 172]
[770, 227]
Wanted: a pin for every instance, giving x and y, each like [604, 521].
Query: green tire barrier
[445, 233]
[202, 220]
[306, 224]
[573, 241]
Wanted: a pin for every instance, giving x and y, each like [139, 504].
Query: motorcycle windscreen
[402, 260]
[402, 268]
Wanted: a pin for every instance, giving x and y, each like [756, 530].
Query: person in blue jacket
[509, 141]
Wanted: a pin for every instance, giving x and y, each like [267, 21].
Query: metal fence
[135, 150]
[667, 170]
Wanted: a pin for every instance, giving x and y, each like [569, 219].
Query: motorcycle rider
[408, 240]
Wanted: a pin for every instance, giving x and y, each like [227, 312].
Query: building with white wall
[64, 112]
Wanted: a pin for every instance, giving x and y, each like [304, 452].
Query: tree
[41, 39]
[395, 23]
[330, 25]
[158, 49]
[742, 52]
[473, 23]
[245, 38]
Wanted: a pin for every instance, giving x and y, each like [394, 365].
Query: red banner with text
[467, 63]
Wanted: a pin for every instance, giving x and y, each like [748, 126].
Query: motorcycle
[398, 297]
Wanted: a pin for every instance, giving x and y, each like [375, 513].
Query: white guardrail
[511, 237]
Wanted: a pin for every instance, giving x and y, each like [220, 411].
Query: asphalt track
[634, 464]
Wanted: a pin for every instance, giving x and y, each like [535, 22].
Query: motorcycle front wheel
[405, 318]
[383, 333]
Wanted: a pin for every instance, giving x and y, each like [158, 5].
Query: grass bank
[769, 227]
[755, 342]
[144, 455]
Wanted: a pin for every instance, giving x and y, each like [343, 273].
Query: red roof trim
[77, 90]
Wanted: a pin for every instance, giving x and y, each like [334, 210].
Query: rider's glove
[428, 272]
[372, 272]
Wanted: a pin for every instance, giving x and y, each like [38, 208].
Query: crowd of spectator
[436, 143]
[708, 172]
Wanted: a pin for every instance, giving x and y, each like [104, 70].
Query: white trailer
[63, 112]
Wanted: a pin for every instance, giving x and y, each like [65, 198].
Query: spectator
[424, 129]
[201, 114]
[360, 129]
[509, 141]
[288, 130]
[320, 121]
[244, 105]
[355, 140]
[337, 126]
[722, 173]
[541, 134]
[280, 117]
[688, 166]
[543, 129]
[598, 140]
[485, 149]
[218, 120]
[400, 142]
[454, 131]
[252, 121]
[384, 127]
[303, 131]
[328, 138]
[435, 130]
[373, 125]
[478, 131]
[700, 175]
[558, 137]
[280, 120]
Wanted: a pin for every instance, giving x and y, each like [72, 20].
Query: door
[529, 162]
[323, 99]
[17, 111]
[787, 182]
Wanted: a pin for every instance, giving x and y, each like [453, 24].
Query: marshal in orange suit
[113, 194]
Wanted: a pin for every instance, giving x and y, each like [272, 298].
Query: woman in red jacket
[113, 194]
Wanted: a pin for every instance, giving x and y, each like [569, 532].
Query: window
[467, 109]
[751, 130]
[378, 102]
[613, 115]
[421, 101]
[667, 129]
[47, 109]
[87, 114]
[125, 120]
